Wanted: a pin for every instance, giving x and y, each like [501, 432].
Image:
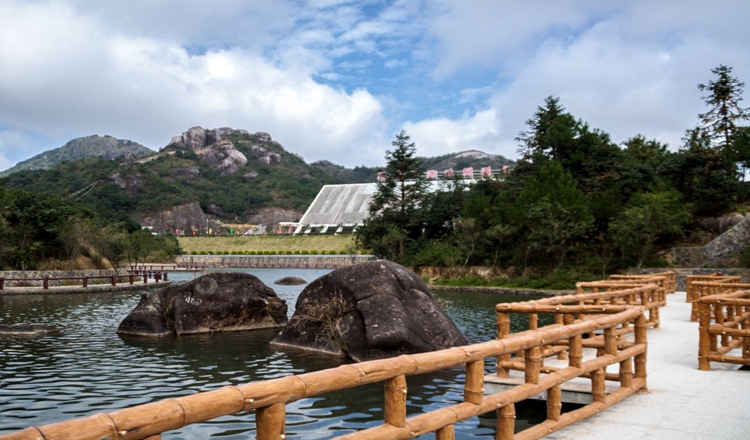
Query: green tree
[724, 114]
[556, 212]
[650, 220]
[705, 177]
[395, 210]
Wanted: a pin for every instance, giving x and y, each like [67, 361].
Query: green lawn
[277, 243]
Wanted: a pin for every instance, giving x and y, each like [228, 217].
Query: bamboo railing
[268, 398]
[700, 289]
[712, 278]
[83, 281]
[665, 280]
[730, 329]
[626, 292]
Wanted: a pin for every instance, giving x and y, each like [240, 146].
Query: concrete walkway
[682, 402]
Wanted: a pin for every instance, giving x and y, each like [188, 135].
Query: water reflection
[89, 368]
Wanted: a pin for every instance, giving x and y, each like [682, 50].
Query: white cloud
[624, 68]
[73, 78]
[441, 136]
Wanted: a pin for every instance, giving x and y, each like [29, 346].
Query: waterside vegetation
[577, 205]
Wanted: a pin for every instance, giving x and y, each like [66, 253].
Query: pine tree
[723, 100]
[396, 209]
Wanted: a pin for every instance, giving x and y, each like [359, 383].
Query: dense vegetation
[42, 231]
[177, 176]
[576, 201]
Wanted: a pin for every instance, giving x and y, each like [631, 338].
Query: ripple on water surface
[90, 369]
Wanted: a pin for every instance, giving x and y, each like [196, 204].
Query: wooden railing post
[85, 281]
[45, 283]
[533, 360]
[446, 433]
[503, 330]
[641, 335]
[598, 387]
[554, 403]
[474, 387]
[704, 337]
[506, 422]
[271, 422]
[395, 401]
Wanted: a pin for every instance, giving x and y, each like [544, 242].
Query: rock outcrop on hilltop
[220, 153]
[369, 311]
[228, 301]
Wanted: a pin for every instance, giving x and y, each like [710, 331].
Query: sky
[337, 79]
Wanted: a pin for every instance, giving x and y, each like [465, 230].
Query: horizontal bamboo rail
[702, 289]
[84, 281]
[730, 329]
[614, 292]
[268, 398]
[712, 278]
[665, 280]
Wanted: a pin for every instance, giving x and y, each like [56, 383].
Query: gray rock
[27, 330]
[369, 311]
[224, 301]
[194, 138]
[263, 136]
[290, 281]
[190, 173]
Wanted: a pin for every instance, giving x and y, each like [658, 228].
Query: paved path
[682, 402]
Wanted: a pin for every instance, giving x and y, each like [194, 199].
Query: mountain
[359, 174]
[456, 161]
[203, 176]
[464, 159]
[227, 174]
[86, 147]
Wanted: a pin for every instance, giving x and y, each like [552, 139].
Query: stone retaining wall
[681, 274]
[273, 261]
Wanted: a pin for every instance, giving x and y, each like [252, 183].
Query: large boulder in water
[290, 281]
[369, 311]
[216, 302]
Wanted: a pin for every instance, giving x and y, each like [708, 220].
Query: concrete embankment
[502, 290]
[66, 281]
[272, 261]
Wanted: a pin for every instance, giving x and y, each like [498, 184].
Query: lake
[90, 369]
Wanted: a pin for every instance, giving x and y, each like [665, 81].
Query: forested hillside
[576, 199]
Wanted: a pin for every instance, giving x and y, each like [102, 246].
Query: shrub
[304, 252]
[314, 252]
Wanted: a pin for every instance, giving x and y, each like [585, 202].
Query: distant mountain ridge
[465, 159]
[85, 147]
[202, 176]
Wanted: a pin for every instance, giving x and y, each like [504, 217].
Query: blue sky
[336, 80]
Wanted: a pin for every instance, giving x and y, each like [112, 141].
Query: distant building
[342, 208]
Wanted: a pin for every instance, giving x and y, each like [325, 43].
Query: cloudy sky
[336, 79]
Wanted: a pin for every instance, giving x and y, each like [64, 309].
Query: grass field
[276, 243]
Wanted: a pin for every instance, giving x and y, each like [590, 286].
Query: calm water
[90, 369]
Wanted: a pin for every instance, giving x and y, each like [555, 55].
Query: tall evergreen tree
[395, 212]
[724, 114]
